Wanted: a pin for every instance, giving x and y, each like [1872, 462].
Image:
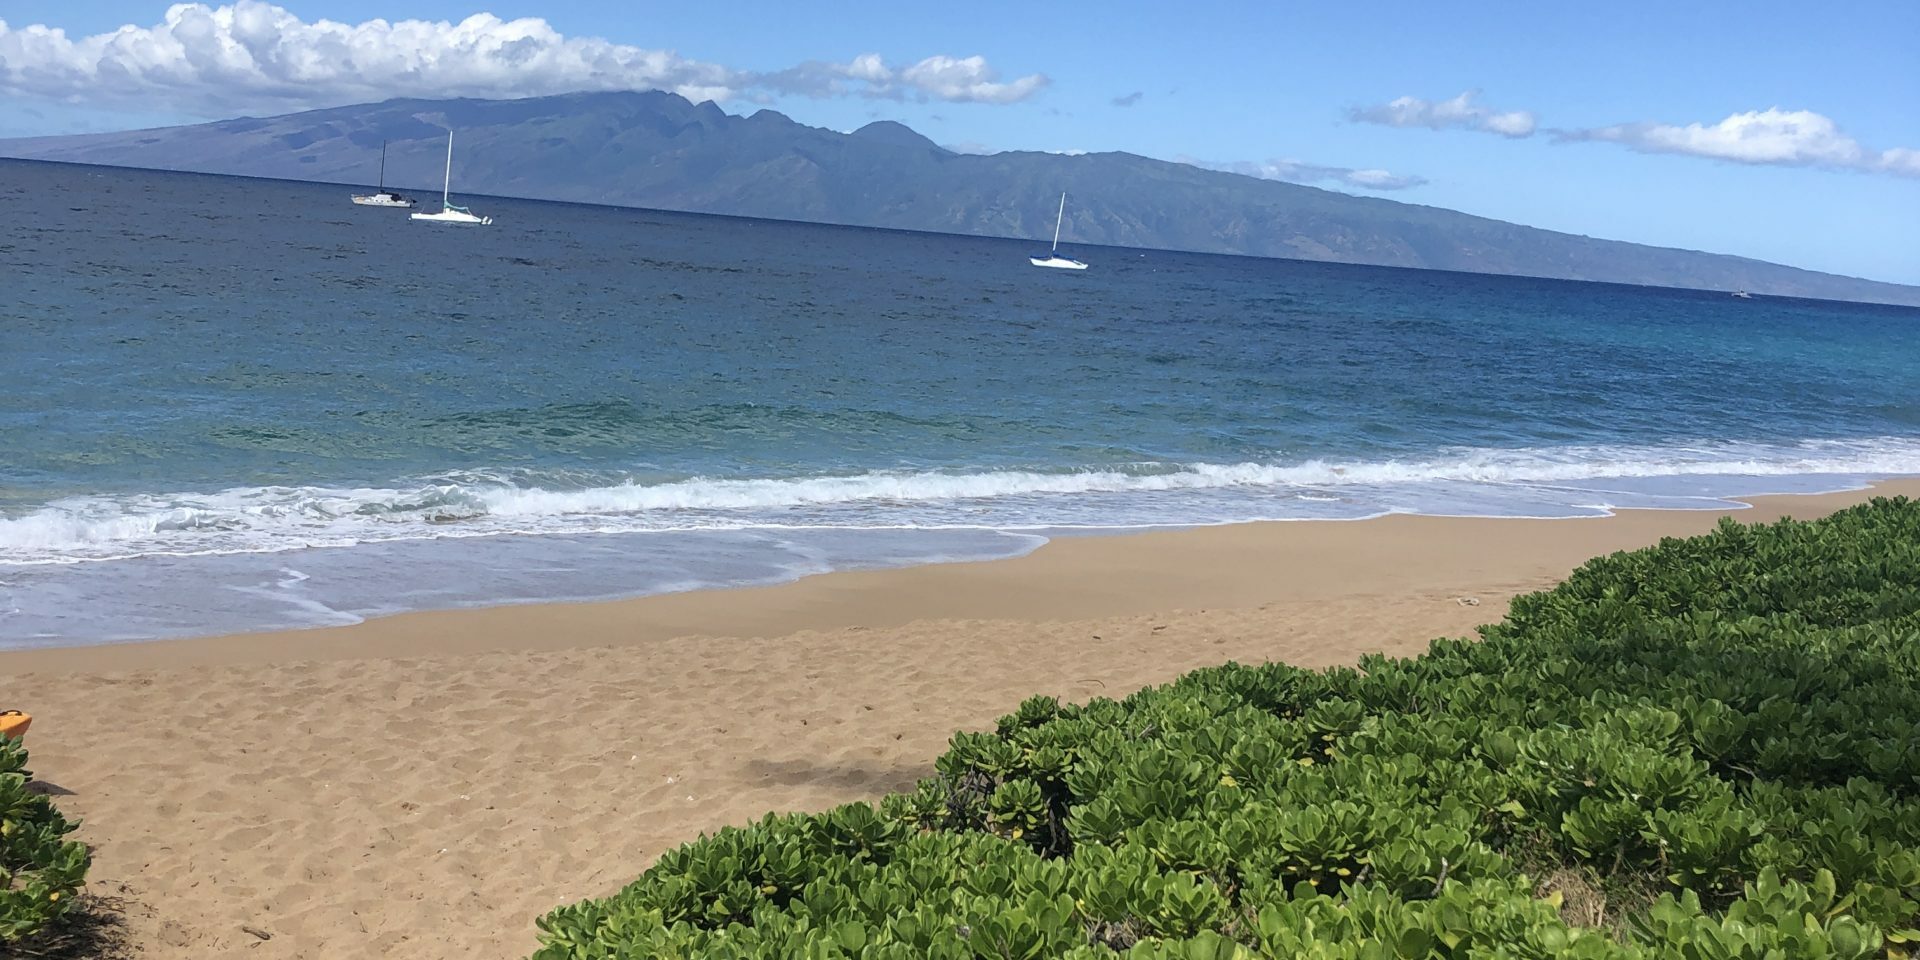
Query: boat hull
[1057, 263]
[381, 200]
[454, 217]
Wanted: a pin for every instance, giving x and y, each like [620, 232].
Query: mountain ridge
[658, 150]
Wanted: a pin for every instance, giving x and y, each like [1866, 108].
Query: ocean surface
[229, 404]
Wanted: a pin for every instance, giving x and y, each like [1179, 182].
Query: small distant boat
[1054, 259]
[448, 212]
[1742, 294]
[384, 197]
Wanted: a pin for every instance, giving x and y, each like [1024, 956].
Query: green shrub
[40, 871]
[1716, 734]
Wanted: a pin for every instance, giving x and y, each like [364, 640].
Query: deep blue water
[232, 403]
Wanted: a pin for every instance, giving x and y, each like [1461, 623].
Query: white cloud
[1461, 111]
[1793, 138]
[869, 67]
[967, 80]
[1294, 171]
[253, 55]
[1901, 160]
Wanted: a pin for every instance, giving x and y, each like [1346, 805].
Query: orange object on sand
[13, 724]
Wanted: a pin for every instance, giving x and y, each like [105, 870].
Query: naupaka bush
[40, 870]
[1713, 744]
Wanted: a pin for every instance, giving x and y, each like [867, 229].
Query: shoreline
[427, 785]
[855, 598]
[255, 562]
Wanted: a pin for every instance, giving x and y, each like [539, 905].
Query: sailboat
[385, 197]
[1052, 259]
[448, 212]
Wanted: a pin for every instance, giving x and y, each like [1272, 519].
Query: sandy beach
[425, 785]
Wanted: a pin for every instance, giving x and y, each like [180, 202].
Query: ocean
[231, 404]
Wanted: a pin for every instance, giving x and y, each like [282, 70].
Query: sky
[1765, 129]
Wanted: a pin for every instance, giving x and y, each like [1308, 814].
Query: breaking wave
[1558, 480]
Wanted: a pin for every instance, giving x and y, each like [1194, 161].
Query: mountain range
[658, 150]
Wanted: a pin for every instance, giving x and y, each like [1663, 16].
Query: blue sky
[1607, 92]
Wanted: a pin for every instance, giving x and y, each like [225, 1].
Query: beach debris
[256, 931]
[1467, 601]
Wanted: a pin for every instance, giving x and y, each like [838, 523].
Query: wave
[479, 503]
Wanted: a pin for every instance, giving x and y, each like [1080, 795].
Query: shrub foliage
[40, 870]
[1718, 739]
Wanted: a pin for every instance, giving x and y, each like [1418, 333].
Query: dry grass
[1587, 900]
[1581, 903]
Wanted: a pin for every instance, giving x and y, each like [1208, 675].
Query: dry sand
[423, 786]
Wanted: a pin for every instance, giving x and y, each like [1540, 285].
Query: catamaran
[448, 212]
[1053, 259]
[385, 197]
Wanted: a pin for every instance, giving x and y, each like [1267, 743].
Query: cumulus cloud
[959, 80]
[254, 55]
[1789, 138]
[1294, 171]
[1462, 112]
[1792, 138]
[1901, 160]
[967, 79]
[1128, 100]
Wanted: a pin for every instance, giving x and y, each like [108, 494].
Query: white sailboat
[1052, 259]
[385, 197]
[448, 212]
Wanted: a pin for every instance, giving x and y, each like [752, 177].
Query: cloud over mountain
[1294, 171]
[954, 79]
[252, 56]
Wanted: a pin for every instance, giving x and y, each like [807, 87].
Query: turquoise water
[228, 404]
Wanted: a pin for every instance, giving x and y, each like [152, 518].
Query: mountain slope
[658, 150]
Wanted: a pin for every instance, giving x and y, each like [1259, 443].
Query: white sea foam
[1489, 481]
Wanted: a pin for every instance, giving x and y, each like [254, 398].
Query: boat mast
[1056, 221]
[446, 186]
[383, 166]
